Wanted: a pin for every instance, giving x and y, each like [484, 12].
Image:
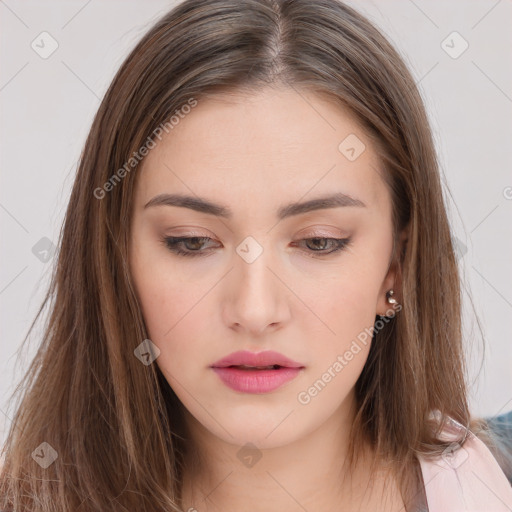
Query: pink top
[465, 478]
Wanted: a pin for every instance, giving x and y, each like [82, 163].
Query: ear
[393, 279]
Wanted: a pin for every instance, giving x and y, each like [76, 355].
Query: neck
[307, 474]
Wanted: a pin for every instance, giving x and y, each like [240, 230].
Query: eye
[175, 244]
[192, 246]
[320, 244]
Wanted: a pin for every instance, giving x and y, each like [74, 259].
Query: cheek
[174, 325]
[341, 336]
[160, 289]
[169, 308]
[172, 312]
[338, 309]
[340, 333]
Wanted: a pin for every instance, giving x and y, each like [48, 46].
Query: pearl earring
[390, 298]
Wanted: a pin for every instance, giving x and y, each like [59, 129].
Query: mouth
[266, 360]
[252, 368]
[249, 372]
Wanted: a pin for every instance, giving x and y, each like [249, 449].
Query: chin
[265, 427]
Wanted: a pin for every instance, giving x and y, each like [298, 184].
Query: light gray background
[47, 106]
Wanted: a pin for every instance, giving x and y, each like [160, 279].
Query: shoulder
[499, 435]
[466, 476]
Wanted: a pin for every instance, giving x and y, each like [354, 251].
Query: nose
[258, 295]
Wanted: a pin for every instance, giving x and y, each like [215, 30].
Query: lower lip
[256, 381]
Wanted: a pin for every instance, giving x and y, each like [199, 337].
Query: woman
[256, 304]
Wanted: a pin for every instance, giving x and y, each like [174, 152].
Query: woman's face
[263, 273]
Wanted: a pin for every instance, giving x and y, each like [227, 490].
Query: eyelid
[323, 233]
[302, 236]
[172, 244]
[311, 231]
[189, 233]
[318, 234]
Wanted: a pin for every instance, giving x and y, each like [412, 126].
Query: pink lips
[250, 372]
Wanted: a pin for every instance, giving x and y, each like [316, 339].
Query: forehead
[282, 142]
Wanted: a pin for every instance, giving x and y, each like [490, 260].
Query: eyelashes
[175, 245]
[178, 245]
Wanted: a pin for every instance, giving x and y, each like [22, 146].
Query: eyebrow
[205, 206]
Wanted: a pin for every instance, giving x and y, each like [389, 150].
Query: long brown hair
[114, 423]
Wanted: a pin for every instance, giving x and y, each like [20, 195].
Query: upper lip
[247, 358]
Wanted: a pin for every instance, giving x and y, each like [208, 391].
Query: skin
[254, 154]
